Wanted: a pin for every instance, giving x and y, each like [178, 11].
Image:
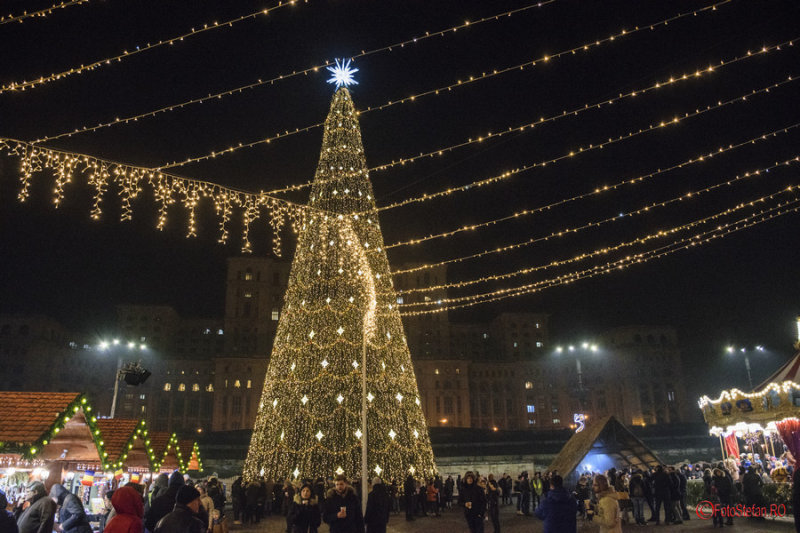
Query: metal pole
[721, 447]
[364, 475]
[747, 365]
[116, 386]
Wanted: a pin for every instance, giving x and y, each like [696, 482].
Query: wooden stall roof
[26, 416]
[116, 432]
[607, 436]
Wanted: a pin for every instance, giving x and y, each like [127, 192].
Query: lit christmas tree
[340, 302]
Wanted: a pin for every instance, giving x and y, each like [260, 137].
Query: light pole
[585, 347]
[133, 373]
[733, 350]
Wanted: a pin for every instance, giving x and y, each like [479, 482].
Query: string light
[594, 192]
[338, 308]
[448, 88]
[282, 77]
[676, 119]
[24, 85]
[638, 179]
[597, 252]
[40, 13]
[167, 189]
[607, 268]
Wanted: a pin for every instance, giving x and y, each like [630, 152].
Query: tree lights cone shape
[339, 294]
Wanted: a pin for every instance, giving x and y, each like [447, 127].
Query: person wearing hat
[183, 518]
[7, 522]
[40, 514]
[164, 502]
[342, 508]
[303, 516]
[71, 515]
[379, 505]
[473, 498]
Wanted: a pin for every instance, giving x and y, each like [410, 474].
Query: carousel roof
[26, 416]
[789, 371]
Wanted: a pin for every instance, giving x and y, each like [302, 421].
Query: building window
[485, 335]
[400, 300]
[539, 344]
[671, 396]
[516, 344]
[167, 387]
[448, 406]
[142, 396]
[237, 384]
[236, 405]
[181, 387]
[537, 325]
[275, 314]
[195, 387]
[249, 384]
[528, 385]
[248, 294]
[209, 388]
[531, 408]
[248, 276]
[556, 421]
[220, 332]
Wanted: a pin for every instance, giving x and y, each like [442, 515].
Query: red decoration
[732, 445]
[789, 430]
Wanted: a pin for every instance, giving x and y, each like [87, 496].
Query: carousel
[766, 419]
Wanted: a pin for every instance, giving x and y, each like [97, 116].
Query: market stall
[127, 444]
[189, 454]
[164, 446]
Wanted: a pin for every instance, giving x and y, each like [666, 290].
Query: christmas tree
[340, 309]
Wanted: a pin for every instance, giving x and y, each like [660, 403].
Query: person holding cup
[342, 508]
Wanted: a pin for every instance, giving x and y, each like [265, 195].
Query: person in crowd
[342, 508]
[108, 507]
[493, 492]
[473, 499]
[608, 514]
[129, 512]
[447, 492]
[394, 493]
[287, 493]
[582, 492]
[422, 497]
[7, 522]
[251, 512]
[557, 508]
[219, 522]
[158, 487]
[162, 504]
[379, 505]
[723, 486]
[304, 515]
[752, 488]
[684, 482]
[537, 489]
[184, 517]
[216, 491]
[237, 499]
[409, 493]
[674, 495]
[206, 505]
[524, 495]
[636, 491]
[432, 498]
[661, 492]
[506, 484]
[71, 515]
[37, 513]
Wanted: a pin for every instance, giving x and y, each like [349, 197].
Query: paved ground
[453, 522]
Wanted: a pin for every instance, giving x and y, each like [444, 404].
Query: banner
[732, 445]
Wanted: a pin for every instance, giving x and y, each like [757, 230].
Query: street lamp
[732, 350]
[586, 348]
[133, 373]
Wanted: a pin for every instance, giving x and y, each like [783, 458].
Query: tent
[604, 444]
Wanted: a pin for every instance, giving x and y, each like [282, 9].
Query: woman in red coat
[130, 509]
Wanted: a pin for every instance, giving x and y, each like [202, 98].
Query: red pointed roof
[789, 371]
[27, 416]
[116, 432]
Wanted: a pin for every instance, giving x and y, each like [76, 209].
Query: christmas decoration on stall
[338, 304]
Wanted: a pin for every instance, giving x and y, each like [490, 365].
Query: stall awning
[125, 441]
[165, 450]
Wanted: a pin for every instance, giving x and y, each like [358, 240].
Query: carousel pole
[721, 447]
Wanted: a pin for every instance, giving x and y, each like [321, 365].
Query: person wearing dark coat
[237, 499]
[661, 492]
[216, 492]
[675, 495]
[162, 504]
[40, 515]
[558, 508]
[493, 491]
[409, 492]
[129, 507]
[7, 522]
[752, 488]
[342, 508]
[71, 515]
[379, 505]
[473, 498]
[184, 517]
[724, 487]
[251, 498]
[304, 515]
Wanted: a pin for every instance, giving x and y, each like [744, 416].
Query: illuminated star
[342, 73]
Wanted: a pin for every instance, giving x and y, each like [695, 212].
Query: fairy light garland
[5, 19]
[338, 303]
[607, 268]
[294, 73]
[599, 251]
[594, 192]
[584, 149]
[167, 189]
[447, 88]
[25, 85]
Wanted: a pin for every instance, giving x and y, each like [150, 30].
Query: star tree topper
[342, 73]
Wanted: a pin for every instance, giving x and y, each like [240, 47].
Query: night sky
[742, 289]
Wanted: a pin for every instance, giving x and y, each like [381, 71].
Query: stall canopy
[600, 446]
[126, 443]
[165, 450]
[189, 453]
[49, 427]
